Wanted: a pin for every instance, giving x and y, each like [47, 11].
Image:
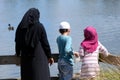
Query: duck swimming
[10, 27]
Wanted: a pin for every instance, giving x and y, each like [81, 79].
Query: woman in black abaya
[33, 47]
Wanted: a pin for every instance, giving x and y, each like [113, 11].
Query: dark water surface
[104, 15]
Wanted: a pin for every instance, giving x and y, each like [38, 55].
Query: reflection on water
[104, 15]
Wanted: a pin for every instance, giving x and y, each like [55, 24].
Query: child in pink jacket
[89, 53]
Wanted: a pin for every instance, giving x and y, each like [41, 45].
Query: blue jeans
[65, 70]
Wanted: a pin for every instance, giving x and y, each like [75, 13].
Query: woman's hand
[51, 61]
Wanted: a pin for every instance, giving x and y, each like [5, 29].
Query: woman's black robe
[32, 45]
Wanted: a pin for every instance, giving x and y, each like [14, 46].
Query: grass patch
[109, 72]
[110, 75]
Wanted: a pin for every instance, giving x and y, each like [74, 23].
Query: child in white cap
[65, 61]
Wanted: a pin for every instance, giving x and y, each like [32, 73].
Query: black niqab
[24, 30]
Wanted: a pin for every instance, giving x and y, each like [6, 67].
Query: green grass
[110, 73]
[110, 76]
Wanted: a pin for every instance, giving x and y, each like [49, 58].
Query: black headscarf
[24, 35]
[30, 17]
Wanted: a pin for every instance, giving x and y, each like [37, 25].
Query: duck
[10, 27]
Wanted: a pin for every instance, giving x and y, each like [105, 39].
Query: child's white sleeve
[103, 50]
[81, 51]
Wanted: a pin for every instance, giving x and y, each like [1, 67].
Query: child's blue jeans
[65, 70]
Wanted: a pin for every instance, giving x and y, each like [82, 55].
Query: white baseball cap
[64, 25]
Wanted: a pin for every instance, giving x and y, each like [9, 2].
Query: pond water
[104, 15]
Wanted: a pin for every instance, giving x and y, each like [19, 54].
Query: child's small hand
[76, 54]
